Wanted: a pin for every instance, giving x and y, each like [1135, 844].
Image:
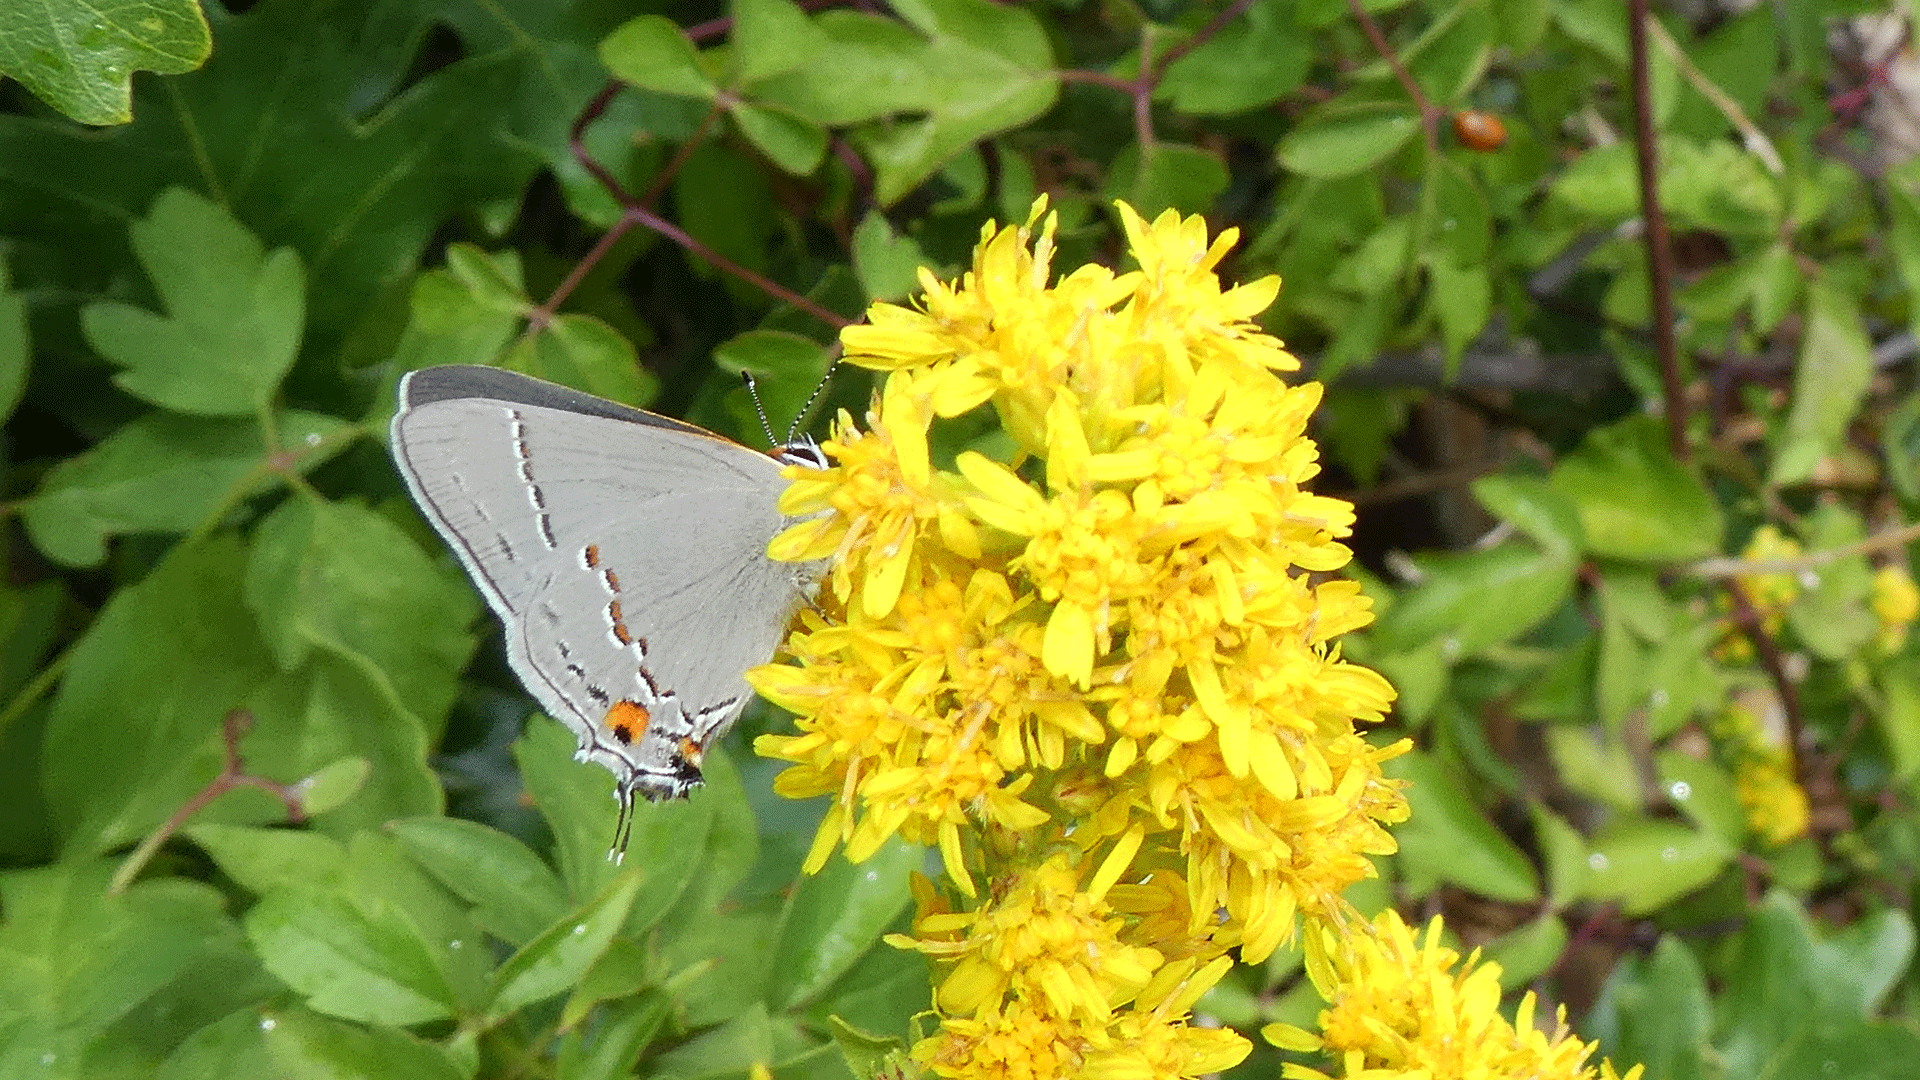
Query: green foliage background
[204, 307]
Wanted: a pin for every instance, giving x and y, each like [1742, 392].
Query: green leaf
[794, 143]
[787, 368]
[1836, 364]
[771, 37]
[1448, 839]
[515, 895]
[1646, 865]
[1832, 616]
[233, 1045]
[1705, 794]
[339, 577]
[80, 58]
[1900, 444]
[953, 73]
[1635, 501]
[1795, 1004]
[883, 992]
[729, 1050]
[381, 943]
[152, 677]
[1470, 600]
[269, 860]
[15, 348]
[330, 786]
[234, 313]
[585, 353]
[302, 1046]
[609, 1049]
[316, 130]
[652, 52]
[1563, 851]
[1519, 24]
[556, 960]
[1899, 721]
[1527, 953]
[166, 474]
[1421, 675]
[1903, 240]
[1462, 225]
[1462, 299]
[1532, 506]
[336, 705]
[1337, 142]
[1595, 764]
[870, 1056]
[887, 264]
[1776, 282]
[625, 969]
[1252, 61]
[1655, 1011]
[1166, 176]
[345, 964]
[83, 975]
[492, 281]
[835, 916]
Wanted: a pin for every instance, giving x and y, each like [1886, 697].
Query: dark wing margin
[455, 382]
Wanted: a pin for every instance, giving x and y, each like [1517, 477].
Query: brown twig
[232, 775]
[1430, 114]
[635, 211]
[1659, 247]
[1812, 560]
[1775, 664]
[1154, 68]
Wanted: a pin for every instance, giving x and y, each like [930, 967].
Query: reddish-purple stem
[1430, 114]
[1659, 247]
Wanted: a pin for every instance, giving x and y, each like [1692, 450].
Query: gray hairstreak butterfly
[625, 553]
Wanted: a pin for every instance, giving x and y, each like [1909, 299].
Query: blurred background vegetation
[1617, 318]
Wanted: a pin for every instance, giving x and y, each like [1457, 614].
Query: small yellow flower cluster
[1042, 981]
[1771, 594]
[1776, 805]
[1398, 1010]
[1896, 603]
[1084, 653]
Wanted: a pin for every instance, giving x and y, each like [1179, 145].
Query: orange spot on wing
[692, 751]
[627, 720]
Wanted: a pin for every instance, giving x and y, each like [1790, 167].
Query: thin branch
[233, 775]
[727, 266]
[37, 687]
[1154, 68]
[635, 212]
[1757, 142]
[683, 155]
[1430, 114]
[594, 108]
[1200, 37]
[1718, 568]
[1774, 662]
[1143, 98]
[1659, 248]
[540, 317]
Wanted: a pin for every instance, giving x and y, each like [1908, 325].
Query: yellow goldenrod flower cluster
[1771, 594]
[1776, 806]
[1398, 1010]
[1896, 603]
[1073, 635]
